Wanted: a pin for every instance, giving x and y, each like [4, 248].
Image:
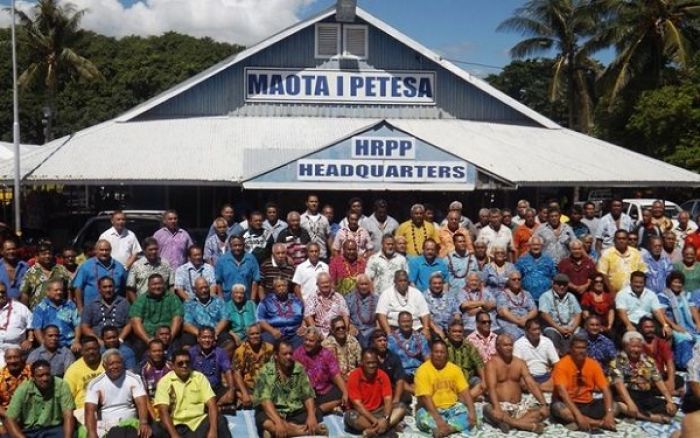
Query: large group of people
[370, 318]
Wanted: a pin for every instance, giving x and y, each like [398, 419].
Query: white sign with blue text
[336, 86]
[387, 159]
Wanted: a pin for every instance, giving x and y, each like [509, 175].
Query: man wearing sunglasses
[187, 404]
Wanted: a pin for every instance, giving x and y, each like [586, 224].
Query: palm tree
[648, 35]
[562, 26]
[50, 33]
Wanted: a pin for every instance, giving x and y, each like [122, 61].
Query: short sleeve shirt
[98, 314]
[635, 306]
[187, 274]
[78, 377]
[562, 310]
[124, 244]
[156, 312]
[230, 271]
[580, 390]
[208, 314]
[186, 401]
[64, 316]
[323, 310]
[32, 411]
[287, 396]
[370, 392]
[443, 386]
[321, 368]
[115, 397]
[92, 270]
[142, 269]
[539, 359]
[391, 303]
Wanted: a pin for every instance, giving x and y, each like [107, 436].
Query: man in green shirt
[284, 398]
[41, 407]
[467, 357]
[152, 310]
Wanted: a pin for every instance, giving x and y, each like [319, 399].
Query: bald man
[278, 265]
[324, 305]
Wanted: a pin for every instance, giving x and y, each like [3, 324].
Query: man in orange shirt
[373, 412]
[575, 377]
[523, 232]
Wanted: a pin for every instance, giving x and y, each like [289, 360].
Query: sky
[462, 30]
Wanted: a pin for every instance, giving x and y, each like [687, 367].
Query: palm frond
[531, 46]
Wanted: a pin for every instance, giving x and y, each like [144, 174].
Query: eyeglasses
[183, 363]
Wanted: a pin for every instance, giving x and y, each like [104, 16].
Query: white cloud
[235, 21]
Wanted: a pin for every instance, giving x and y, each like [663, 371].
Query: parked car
[692, 206]
[142, 222]
[634, 207]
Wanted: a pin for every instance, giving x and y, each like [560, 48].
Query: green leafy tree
[560, 27]
[50, 33]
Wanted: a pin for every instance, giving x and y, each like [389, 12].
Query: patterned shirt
[608, 226]
[35, 280]
[142, 269]
[214, 248]
[152, 375]
[556, 245]
[694, 365]
[495, 277]
[638, 377]
[285, 316]
[412, 351]
[657, 270]
[209, 314]
[275, 229]
[242, 317]
[363, 311]
[296, 244]
[348, 355]
[98, 314]
[601, 349]
[447, 244]
[318, 228]
[323, 309]
[270, 269]
[465, 356]
[537, 273]
[469, 319]
[458, 268]
[416, 236]
[173, 246]
[187, 274]
[64, 316]
[443, 307]
[360, 236]
[258, 243]
[561, 310]
[321, 368]
[288, 396]
[249, 362]
[9, 383]
[503, 237]
[519, 305]
[618, 266]
[381, 270]
[485, 345]
[344, 273]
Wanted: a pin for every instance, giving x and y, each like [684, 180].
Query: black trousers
[222, 429]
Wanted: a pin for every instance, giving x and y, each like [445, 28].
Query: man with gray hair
[537, 268]
[495, 234]
[417, 230]
[520, 209]
[116, 401]
[295, 238]
[464, 222]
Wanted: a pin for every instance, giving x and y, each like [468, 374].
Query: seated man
[281, 315]
[410, 345]
[41, 407]
[402, 298]
[515, 307]
[249, 358]
[344, 346]
[153, 309]
[108, 309]
[154, 368]
[362, 305]
[463, 354]
[110, 339]
[600, 347]
[635, 301]
[205, 310]
[323, 370]
[635, 377]
[51, 351]
[15, 331]
[575, 377]
[505, 375]
[561, 312]
[187, 404]
[474, 298]
[483, 338]
[443, 395]
[56, 310]
[83, 371]
[213, 362]
[284, 399]
[373, 411]
[15, 372]
[324, 305]
[390, 363]
[659, 349]
[242, 313]
[116, 402]
[538, 353]
[691, 400]
[443, 306]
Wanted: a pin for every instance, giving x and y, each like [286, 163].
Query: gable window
[355, 41]
[327, 40]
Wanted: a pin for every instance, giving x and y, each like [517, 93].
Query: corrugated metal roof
[379, 24]
[7, 150]
[230, 150]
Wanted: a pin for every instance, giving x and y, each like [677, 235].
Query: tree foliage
[135, 69]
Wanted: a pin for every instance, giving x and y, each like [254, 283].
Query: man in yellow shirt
[187, 404]
[82, 371]
[446, 407]
[619, 261]
[417, 230]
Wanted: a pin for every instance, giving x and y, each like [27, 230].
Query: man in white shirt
[403, 298]
[306, 272]
[379, 223]
[538, 353]
[316, 225]
[15, 320]
[495, 234]
[382, 266]
[117, 398]
[125, 245]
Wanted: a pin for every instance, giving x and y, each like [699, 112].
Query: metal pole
[15, 126]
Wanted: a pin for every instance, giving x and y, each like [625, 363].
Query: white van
[634, 207]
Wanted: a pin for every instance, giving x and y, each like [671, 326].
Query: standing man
[125, 245]
[295, 238]
[238, 266]
[103, 264]
[173, 241]
[228, 214]
[416, 230]
[590, 219]
[524, 232]
[258, 241]
[450, 230]
[495, 234]
[216, 244]
[187, 404]
[305, 274]
[187, 274]
[41, 407]
[576, 222]
[446, 407]
[380, 224]
[273, 224]
[316, 225]
[12, 269]
[555, 236]
[352, 231]
[619, 261]
[344, 268]
[150, 263]
[33, 288]
[608, 226]
[382, 266]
